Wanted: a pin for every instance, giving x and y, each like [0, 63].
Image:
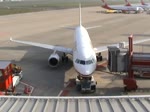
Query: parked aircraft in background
[143, 5]
[125, 9]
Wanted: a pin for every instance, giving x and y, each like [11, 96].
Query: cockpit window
[87, 62]
[77, 61]
[82, 62]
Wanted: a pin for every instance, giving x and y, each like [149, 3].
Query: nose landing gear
[99, 57]
[64, 58]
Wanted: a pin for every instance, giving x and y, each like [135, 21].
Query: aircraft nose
[87, 70]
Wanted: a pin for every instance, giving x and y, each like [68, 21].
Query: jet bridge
[141, 63]
[125, 60]
[118, 59]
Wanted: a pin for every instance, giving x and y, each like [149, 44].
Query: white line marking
[65, 85]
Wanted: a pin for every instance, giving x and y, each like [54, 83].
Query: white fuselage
[127, 8]
[145, 7]
[84, 57]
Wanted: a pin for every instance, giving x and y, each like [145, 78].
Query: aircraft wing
[105, 48]
[46, 46]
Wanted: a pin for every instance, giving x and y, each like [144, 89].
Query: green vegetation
[6, 11]
[23, 7]
[33, 6]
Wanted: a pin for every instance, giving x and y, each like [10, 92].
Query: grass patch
[34, 6]
[30, 6]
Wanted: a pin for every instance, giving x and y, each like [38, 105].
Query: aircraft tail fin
[142, 2]
[127, 3]
[80, 22]
[105, 5]
[80, 16]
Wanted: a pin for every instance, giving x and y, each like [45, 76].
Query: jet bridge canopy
[75, 104]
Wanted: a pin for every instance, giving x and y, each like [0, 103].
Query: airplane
[84, 55]
[143, 5]
[125, 9]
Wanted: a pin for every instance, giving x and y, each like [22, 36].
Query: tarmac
[50, 27]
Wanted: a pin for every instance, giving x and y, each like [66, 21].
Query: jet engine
[139, 10]
[53, 59]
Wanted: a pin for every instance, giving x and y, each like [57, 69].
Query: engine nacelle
[53, 60]
[139, 9]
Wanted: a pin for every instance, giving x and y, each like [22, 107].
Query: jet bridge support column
[129, 81]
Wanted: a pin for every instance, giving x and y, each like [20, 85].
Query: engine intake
[139, 10]
[53, 60]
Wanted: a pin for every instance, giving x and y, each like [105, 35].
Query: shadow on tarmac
[46, 81]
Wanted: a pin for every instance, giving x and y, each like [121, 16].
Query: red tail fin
[127, 3]
[104, 5]
[142, 2]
